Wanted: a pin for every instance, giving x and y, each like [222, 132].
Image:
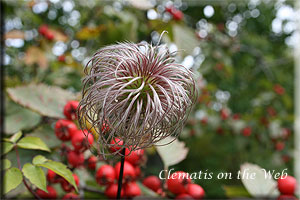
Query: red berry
[43, 29]
[51, 194]
[111, 191]
[225, 113]
[70, 109]
[177, 182]
[75, 159]
[132, 190]
[287, 185]
[62, 58]
[52, 177]
[135, 157]
[220, 130]
[105, 175]
[92, 161]
[152, 182]
[81, 140]
[177, 15]
[184, 196]
[67, 187]
[137, 170]
[247, 131]
[279, 146]
[116, 145]
[286, 197]
[105, 127]
[279, 89]
[204, 120]
[49, 35]
[271, 111]
[236, 116]
[128, 173]
[71, 196]
[196, 191]
[64, 129]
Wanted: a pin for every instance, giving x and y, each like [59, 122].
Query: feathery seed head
[139, 92]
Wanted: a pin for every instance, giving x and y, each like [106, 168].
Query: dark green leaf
[21, 119]
[41, 98]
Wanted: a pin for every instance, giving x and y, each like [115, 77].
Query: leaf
[30, 142]
[185, 39]
[22, 119]
[6, 164]
[14, 34]
[172, 153]
[40, 98]
[15, 137]
[46, 133]
[7, 147]
[236, 191]
[12, 178]
[57, 167]
[146, 191]
[35, 175]
[261, 185]
[35, 55]
[90, 32]
[39, 160]
[59, 35]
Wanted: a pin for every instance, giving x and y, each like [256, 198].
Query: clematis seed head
[138, 92]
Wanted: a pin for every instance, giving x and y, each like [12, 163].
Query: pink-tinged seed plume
[139, 92]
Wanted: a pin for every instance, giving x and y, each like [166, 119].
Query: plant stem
[24, 181]
[121, 174]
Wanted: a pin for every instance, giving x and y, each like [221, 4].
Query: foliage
[244, 70]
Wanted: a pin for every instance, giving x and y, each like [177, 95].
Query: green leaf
[236, 191]
[45, 133]
[12, 178]
[57, 167]
[146, 191]
[172, 153]
[7, 147]
[39, 160]
[6, 164]
[35, 175]
[41, 98]
[261, 185]
[15, 137]
[21, 119]
[30, 142]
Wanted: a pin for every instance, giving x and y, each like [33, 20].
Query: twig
[91, 189]
[24, 181]
[121, 174]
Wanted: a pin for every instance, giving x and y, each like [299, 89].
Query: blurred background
[240, 51]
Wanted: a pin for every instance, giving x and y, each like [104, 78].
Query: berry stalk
[121, 174]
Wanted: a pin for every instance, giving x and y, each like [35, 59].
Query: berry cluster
[179, 184]
[66, 130]
[108, 176]
[46, 32]
[287, 188]
[175, 13]
[76, 142]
